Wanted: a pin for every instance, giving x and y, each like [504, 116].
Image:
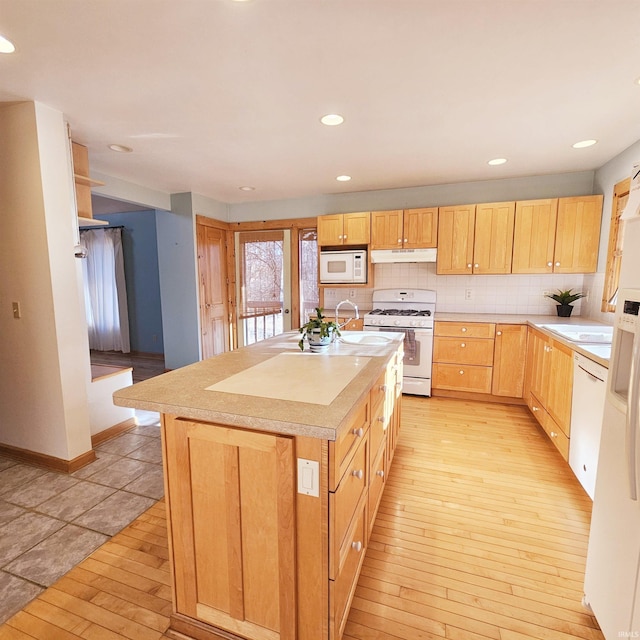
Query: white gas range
[410, 311]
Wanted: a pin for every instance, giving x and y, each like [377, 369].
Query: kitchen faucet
[355, 308]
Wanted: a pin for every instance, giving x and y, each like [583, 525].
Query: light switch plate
[309, 477]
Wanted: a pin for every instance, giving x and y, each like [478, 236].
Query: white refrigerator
[612, 588]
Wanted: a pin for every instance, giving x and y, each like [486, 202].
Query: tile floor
[51, 521]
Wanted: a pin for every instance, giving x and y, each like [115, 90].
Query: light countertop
[271, 386]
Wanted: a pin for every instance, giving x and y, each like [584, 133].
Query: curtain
[105, 291]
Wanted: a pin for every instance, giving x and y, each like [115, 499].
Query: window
[614, 252]
[309, 293]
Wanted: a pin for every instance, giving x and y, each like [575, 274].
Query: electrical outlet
[468, 294]
[352, 293]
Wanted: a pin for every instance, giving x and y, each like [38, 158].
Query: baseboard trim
[471, 395]
[112, 432]
[49, 462]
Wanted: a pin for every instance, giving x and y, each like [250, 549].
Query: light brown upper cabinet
[558, 235]
[404, 229]
[344, 229]
[83, 182]
[577, 234]
[475, 238]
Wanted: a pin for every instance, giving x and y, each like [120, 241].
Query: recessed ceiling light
[332, 119]
[245, 188]
[637, 81]
[120, 148]
[343, 178]
[6, 46]
[584, 143]
[496, 161]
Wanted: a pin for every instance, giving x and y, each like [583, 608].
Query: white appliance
[612, 587]
[403, 255]
[589, 390]
[343, 267]
[410, 311]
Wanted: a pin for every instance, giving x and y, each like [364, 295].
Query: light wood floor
[482, 533]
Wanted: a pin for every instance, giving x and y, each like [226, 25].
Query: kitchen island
[275, 462]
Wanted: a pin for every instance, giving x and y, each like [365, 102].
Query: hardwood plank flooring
[481, 534]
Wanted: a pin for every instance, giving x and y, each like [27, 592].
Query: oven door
[418, 355]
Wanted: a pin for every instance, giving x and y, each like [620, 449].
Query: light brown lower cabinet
[549, 387]
[252, 556]
[479, 358]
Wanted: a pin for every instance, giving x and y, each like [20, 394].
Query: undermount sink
[364, 337]
[588, 334]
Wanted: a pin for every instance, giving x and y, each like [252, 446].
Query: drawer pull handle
[380, 418]
[380, 473]
[461, 372]
[464, 329]
[358, 432]
[476, 265]
[553, 434]
[499, 333]
[383, 388]
[357, 546]
[463, 344]
[549, 264]
[535, 409]
[469, 266]
[557, 264]
[358, 473]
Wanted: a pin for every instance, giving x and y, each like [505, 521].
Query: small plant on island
[318, 329]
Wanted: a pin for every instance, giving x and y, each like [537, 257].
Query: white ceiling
[215, 94]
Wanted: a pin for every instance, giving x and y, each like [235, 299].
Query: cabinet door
[534, 236]
[420, 227]
[455, 239]
[493, 241]
[539, 366]
[386, 229]
[330, 230]
[232, 500]
[509, 360]
[356, 228]
[577, 234]
[558, 400]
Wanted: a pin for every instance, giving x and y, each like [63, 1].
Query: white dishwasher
[589, 389]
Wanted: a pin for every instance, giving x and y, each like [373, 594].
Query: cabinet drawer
[377, 478]
[342, 587]
[556, 435]
[463, 350]
[465, 329]
[341, 451]
[462, 377]
[378, 427]
[343, 502]
[378, 390]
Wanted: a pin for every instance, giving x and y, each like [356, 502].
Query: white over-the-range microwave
[342, 267]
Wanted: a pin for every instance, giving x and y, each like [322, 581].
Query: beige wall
[44, 354]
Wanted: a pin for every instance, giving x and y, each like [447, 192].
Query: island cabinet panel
[236, 488]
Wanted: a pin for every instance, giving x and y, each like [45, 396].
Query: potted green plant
[318, 332]
[564, 300]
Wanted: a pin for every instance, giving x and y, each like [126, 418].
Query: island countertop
[270, 386]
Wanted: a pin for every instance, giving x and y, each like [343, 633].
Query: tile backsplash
[519, 294]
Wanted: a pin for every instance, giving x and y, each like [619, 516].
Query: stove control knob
[414, 323]
[397, 323]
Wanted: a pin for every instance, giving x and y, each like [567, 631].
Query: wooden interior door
[232, 505]
[212, 278]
